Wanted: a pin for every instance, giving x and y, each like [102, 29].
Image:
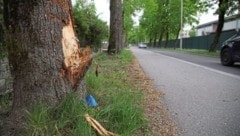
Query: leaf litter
[159, 120]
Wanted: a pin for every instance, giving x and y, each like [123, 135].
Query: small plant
[93, 82]
[39, 123]
[69, 117]
[66, 119]
[122, 113]
[126, 56]
[120, 104]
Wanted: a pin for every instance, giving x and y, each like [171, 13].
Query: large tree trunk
[176, 39]
[124, 32]
[160, 37]
[155, 40]
[222, 10]
[238, 6]
[167, 37]
[1, 28]
[125, 39]
[150, 36]
[116, 27]
[44, 53]
[150, 40]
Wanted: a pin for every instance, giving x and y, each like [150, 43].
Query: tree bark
[160, 37]
[44, 53]
[176, 39]
[167, 37]
[238, 6]
[116, 27]
[151, 36]
[124, 31]
[222, 11]
[150, 40]
[155, 40]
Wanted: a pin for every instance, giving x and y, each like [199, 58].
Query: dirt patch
[160, 124]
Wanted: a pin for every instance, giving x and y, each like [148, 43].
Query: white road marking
[204, 67]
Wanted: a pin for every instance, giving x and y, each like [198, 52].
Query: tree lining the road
[90, 29]
[225, 7]
[116, 27]
[161, 19]
[130, 10]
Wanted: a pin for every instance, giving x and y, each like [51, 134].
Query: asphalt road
[203, 97]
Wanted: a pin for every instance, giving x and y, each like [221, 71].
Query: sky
[102, 7]
[208, 17]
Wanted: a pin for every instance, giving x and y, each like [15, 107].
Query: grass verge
[120, 107]
[193, 51]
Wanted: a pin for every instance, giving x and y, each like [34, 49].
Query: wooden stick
[93, 125]
[98, 127]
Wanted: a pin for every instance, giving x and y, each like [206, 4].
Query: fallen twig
[98, 127]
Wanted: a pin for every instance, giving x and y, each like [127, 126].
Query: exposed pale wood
[98, 127]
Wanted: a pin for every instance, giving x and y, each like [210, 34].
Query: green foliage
[93, 83]
[121, 115]
[225, 7]
[39, 121]
[119, 102]
[231, 7]
[66, 119]
[192, 33]
[161, 19]
[202, 52]
[69, 117]
[126, 56]
[130, 8]
[91, 30]
[194, 51]
[119, 111]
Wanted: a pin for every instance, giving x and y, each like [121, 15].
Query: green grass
[120, 107]
[39, 120]
[194, 51]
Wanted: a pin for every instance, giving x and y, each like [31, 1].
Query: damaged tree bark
[44, 53]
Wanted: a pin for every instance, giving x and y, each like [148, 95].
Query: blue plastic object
[90, 100]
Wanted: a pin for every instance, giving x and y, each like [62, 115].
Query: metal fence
[199, 42]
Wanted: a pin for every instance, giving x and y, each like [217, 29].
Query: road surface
[203, 99]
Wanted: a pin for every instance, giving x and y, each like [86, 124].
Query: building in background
[232, 23]
[185, 34]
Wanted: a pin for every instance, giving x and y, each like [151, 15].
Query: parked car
[142, 45]
[230, 51]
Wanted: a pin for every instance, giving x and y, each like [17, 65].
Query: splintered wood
[97, 126]
[76, 60]
[77, 65]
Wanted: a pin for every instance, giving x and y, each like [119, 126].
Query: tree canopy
[90, 29]
[161, 19]
[225, 7]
